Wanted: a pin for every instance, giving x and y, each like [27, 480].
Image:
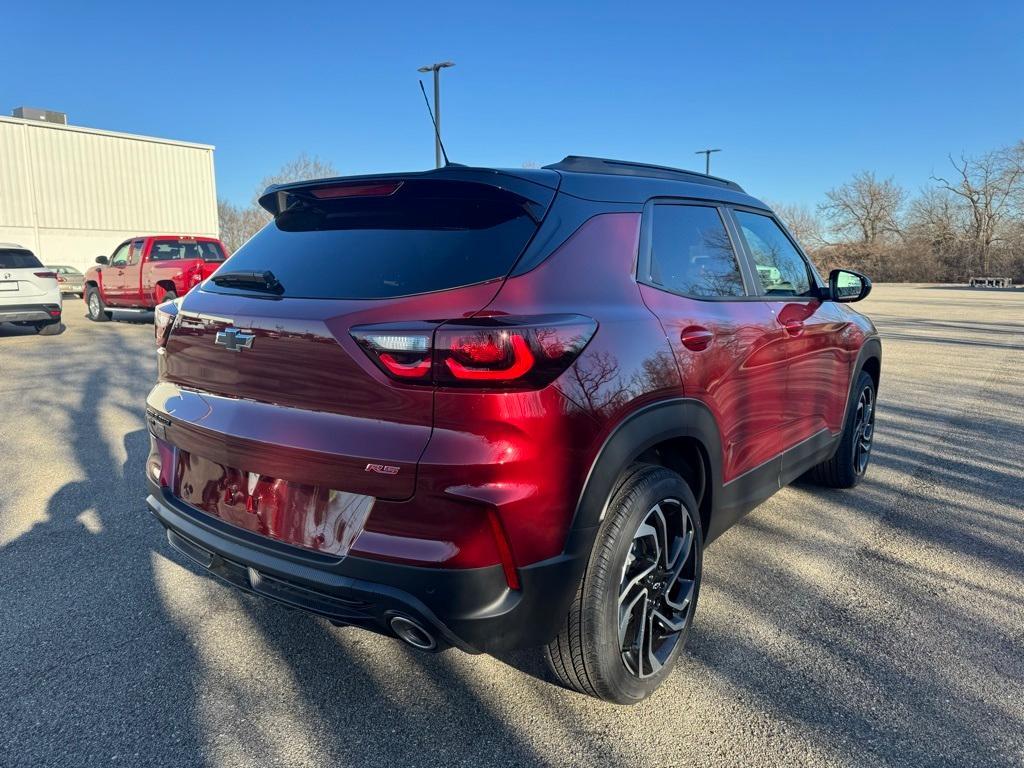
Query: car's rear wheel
[633, 610]
[849, 464]
[95, 307]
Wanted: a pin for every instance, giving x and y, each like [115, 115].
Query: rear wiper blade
[259, 281]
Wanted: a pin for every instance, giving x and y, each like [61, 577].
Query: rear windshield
[424, 236]
[170, 250]
[17, 258]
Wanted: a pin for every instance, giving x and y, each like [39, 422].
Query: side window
[691, 253]
[781, 268]
[120, 257]
[136, 254]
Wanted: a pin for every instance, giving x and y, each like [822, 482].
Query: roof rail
[582, 164]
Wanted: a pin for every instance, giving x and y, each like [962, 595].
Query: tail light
[163, 321]
[45, 274]
[502, 352]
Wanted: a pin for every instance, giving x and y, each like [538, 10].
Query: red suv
[494, 409]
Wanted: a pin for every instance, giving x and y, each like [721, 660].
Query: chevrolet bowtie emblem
[234, 339]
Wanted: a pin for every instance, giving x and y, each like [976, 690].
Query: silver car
[71, 280]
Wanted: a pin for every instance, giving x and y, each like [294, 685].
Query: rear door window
[407, 238]
[780, 267]
[18, 258]
[135, 255]
[691, 253]
[180, 249]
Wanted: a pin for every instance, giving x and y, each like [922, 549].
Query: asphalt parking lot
[882, 626]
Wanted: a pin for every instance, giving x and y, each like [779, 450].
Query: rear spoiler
[538, 186]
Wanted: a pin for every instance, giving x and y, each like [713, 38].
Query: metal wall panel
[15, 198]
[81, 187]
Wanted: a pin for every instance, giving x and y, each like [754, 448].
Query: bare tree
[302, 168]
[864, 207]
[238, 224]
[804, 223]
[992, 188]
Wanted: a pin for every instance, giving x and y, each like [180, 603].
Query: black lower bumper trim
[29, 313]
[471, 609]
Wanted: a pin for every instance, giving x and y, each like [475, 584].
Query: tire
[589, 655]
[169, 296]
[95, 307]
[48, 329]
[849, 463]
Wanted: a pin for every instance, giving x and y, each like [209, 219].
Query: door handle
[696, 338]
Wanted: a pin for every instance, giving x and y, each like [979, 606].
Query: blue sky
[799, 96]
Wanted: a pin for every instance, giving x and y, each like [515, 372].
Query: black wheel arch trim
[646, 427]
[871, 349]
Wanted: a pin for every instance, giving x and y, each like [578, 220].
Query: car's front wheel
[95, 307]
[633, 610]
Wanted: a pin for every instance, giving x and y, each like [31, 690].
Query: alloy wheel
[864, 430]
[656, 592]
[94, 304]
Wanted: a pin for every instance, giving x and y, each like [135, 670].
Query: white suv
[29, 292]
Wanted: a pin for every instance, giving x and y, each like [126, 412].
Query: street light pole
[707, 159]
[436, 69]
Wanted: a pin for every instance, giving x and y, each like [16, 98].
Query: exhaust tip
[413, 633]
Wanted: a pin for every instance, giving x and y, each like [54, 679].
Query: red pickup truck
[148, 270]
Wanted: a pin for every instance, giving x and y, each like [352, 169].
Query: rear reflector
[504, 352]
[508, 564]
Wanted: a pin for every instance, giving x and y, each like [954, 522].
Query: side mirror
[845, 285]
[102, 260]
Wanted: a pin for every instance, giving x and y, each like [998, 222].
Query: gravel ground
[883, 626]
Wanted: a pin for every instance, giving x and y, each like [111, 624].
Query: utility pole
[707, 159]
[436, 69]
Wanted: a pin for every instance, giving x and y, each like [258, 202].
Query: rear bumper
[19, 313]
[471, 609]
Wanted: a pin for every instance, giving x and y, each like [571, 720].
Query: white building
[71, 194]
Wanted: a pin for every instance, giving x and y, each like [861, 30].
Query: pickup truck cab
[148, 270]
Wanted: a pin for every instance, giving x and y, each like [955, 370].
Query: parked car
[70, 280]
[498, 409]
[29, 294]
[147, 270]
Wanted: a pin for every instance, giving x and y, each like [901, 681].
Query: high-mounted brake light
[355, 190]
[504, 352]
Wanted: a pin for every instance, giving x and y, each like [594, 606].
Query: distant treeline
[967, 221]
